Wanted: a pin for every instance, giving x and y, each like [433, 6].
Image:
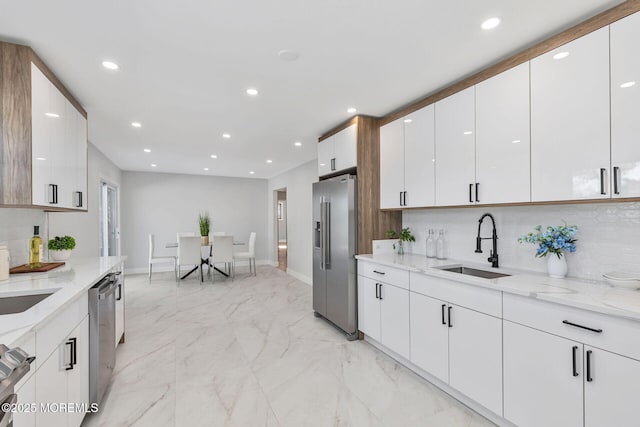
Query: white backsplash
[16, 229]
[608, 235]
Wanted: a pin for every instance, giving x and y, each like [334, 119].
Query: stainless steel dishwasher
[102, 335]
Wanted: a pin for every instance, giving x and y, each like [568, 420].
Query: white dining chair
[222, 253]
[189, 254]
[159, 260]
[249, 255]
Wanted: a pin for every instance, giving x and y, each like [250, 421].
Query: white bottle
[431, 245]
[440, 254]
[4, 263]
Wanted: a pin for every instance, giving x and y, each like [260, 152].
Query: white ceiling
[185, 66]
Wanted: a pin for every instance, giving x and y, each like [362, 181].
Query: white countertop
[68, 282]
[599, 297]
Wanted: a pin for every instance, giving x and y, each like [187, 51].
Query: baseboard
[299, 276]
[165, 268]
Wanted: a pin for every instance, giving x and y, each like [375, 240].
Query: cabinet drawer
[469, 296]
[618, 335]
[382, 273]
[51, 334]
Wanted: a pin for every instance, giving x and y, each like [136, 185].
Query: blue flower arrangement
[553, 240]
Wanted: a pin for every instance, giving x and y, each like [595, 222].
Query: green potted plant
[205, 223]
[405, 236]
[60, 247]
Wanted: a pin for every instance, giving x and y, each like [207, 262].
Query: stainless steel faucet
[493, 259]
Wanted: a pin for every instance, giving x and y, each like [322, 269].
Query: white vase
[60, 255]
[556, 267]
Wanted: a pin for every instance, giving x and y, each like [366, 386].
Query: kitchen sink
[18, 304]
[474, 272]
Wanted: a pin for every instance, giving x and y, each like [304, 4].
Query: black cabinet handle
[574, 356]
[53, 194]
[589, 377]
[71, 344]
[378, 272]
[602, 172]
[119, 297]
[443, 321]
[477, 188]
[597, 331]
[377, 297]
[78, 201]
[380, 291]
[616, 172]
[404, 199]
[333, 164]
[470, 193]
[449, 317]
[401, 198]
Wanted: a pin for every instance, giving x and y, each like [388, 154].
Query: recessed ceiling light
[560, 55]
[153, 165]
[627, 84]
[136, 125]
[40, 158]
[288, 55]
[213, 156]
[322, 164]
[226, 135]
[147, 150]
[251, 172]
[206, 169]
[490, 23]
[110, 65]
[468, 132]
[515, 141]
[433, 160]
[408, 120]
[269, 161]
[298, 144]
[56, 115]
[252, 91]
[351, 110]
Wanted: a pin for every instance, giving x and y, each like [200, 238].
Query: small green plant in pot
[205, 223]
[405, 236]
[60, 247]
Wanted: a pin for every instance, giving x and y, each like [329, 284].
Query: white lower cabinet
[26, 396]
[429, 335]
[64, 378]
[383, 314]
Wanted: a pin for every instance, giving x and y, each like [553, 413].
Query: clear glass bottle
[431, 244]
[440, 250]
[35, 249]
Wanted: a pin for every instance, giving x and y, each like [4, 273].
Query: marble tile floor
[250, 353]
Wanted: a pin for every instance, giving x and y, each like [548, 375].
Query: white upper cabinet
[455, 149]
[570, 129]
[407, 170]
[502, 137]
[625, 105]
[40, 130]
[419, 158]
[338, 152]
[392, 164]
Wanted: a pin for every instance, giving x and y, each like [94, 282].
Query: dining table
[203, 261]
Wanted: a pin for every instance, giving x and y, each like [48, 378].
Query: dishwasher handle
[103, 293]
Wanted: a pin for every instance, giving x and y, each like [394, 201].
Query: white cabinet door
[625, 104]
[58, 141]
[394, 319]
[455, 149]
[325, 156]
[40, 131]
[391, 164]
[346, 148]
[502, 137]
[51, 387]
[429, 335]
[611, 395]
[26, 396]
[78, 377]
[475, 356]
[540, 388]
[570, 139]
[419, 158]
[368, 308]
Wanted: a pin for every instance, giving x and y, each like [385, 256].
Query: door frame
[102, 183]
[276, 234]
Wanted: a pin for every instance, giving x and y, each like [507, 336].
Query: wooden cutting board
[46, 266]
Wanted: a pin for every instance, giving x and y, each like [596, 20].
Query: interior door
[109, 218]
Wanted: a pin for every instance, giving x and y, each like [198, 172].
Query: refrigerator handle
[327, 237]
[323, 221]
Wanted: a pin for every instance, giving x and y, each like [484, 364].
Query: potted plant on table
[553, 241]
[405, 236]
[60, 247]
[205, 223]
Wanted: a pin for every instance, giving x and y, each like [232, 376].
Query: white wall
[85, 226]
[16, 229]
[298, 183]
[164, 204]
[608, 235]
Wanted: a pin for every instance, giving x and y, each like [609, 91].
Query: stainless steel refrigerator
[334, 250]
